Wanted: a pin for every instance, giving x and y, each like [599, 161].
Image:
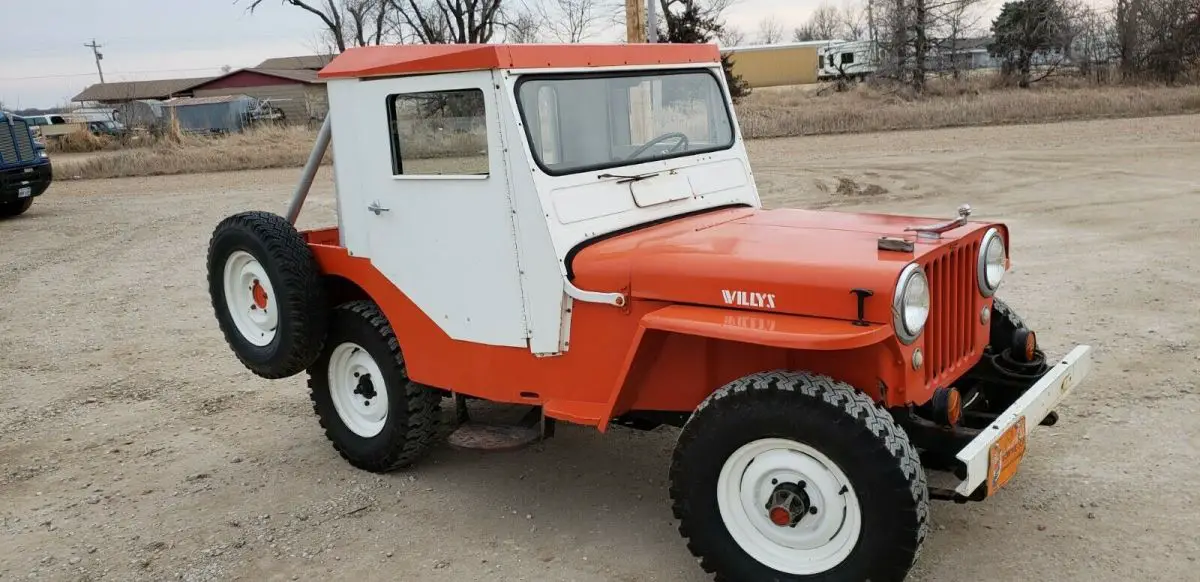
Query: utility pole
[652, 26]
[635, 21]
[96, 52]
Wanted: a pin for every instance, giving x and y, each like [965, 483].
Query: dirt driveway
[134, 446]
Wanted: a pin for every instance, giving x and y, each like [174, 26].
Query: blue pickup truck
[24, 166]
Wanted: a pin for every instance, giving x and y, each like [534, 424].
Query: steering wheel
[682, 144]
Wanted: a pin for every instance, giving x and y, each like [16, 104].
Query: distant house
[297, 92]
[122, 92]
[309, 62]
[288, 83]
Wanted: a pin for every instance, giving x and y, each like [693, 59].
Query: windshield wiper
[624, 179]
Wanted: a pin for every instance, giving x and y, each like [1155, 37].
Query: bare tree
[854, 23]
[571, 20]
[449, 21]
[826, 22]
[953, 22]
[345, 22]
[731, 36]
[770, 31]
[804, 33]
[913, 35]
[522, 27]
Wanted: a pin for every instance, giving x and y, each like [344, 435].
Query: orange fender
[733, 343]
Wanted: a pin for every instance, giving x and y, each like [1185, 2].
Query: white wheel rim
[817, 542]
[250, 298]
[361, 401]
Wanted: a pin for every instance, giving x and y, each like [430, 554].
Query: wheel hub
[789, 503]
[789, 506]
[365, 388]
[248, 294]
[358, 389]
[258, 294]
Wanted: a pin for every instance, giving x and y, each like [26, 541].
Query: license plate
[25, 192]
[1005, 456]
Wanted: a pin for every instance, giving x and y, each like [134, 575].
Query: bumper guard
[995, 453]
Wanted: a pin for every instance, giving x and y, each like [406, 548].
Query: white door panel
[442, 235]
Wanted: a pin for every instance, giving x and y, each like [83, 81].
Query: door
[428, 186]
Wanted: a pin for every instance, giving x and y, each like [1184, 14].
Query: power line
[67, 75]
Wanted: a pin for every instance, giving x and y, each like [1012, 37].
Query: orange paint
[373, 61]
[679, 338]
[259, 295]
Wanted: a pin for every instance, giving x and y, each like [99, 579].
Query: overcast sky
[45, 62]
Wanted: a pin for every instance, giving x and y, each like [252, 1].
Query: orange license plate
[1005, 455]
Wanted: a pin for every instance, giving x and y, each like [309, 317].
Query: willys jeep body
[576, 229]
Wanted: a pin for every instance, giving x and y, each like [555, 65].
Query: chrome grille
[24, 140]
[8, 146]
[949, 334]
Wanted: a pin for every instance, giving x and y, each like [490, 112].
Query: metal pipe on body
[310, 170]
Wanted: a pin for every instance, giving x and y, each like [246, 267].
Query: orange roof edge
[373, 61]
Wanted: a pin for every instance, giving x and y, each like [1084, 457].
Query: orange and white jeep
[576, 229]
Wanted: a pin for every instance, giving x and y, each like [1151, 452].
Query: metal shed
[221, 114]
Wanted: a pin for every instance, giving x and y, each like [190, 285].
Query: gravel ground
[133, 446]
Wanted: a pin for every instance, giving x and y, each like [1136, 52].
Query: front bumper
[995, 453]
[15, 181]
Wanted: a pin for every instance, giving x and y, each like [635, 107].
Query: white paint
[484, 256]
[448, 242]
[256, 324]
[819, 541]
[1034, 405]
[748, 298]
[660, 189]
[358, 390]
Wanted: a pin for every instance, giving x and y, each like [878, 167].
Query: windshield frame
[639, 72]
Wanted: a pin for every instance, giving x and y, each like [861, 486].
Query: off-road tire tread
[300, 288]
[846, 404]
[1005, 321]
[411, 438]
[17, 208]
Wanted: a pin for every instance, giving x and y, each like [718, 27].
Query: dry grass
[275, 147]
[768, 112]
[865, 108]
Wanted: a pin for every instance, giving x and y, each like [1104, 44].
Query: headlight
[910, 308]
[991, 262]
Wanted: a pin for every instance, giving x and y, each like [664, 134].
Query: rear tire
[376, 418]
[267, 293]
[853, 495]
[11, 209]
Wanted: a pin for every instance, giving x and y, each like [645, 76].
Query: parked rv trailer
[853, 59]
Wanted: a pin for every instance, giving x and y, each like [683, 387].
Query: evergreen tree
[692, 25]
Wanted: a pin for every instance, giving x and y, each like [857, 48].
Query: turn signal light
[947, 406]
[1024, 344]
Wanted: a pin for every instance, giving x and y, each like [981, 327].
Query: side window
[847, 58]
[439, 133]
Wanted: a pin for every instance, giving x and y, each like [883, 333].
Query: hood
[800, 262]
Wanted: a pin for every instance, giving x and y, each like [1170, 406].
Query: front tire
[11, 209]
[376, 418]
[796, 477]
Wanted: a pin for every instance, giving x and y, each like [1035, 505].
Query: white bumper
[1032, 406]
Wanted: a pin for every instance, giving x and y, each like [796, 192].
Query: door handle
[376, 208]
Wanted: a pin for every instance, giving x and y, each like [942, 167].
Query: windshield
[577, 123]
